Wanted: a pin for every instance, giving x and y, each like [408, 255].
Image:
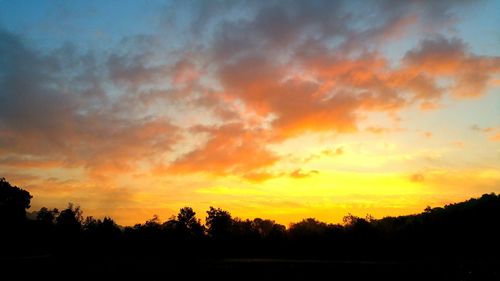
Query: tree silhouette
[105, 228]
[13, 203]
[309, 228]
[46, 216]
[70, 219]
[188, 224]
[267, 228]
[219, 223]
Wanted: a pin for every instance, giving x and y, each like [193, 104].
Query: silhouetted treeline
[467, 230]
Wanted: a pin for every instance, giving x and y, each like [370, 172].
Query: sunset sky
[274, 109]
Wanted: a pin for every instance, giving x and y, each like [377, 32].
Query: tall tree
[219, 223]
[188, 223]
[13, 202]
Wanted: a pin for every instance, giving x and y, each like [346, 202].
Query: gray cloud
[53, 107]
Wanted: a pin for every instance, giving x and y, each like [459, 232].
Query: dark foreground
[456, 242]
[155, 268]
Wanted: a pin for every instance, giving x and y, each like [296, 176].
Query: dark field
[155, 268]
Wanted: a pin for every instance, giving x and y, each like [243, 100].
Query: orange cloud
[427, 134]
[417, 178]
[444, 57]
[495, 137]
[301, 174]
[437, 56]
[231, 149]
[494, 132]
[381, 130]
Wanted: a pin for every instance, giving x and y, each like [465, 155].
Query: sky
[273, 109]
